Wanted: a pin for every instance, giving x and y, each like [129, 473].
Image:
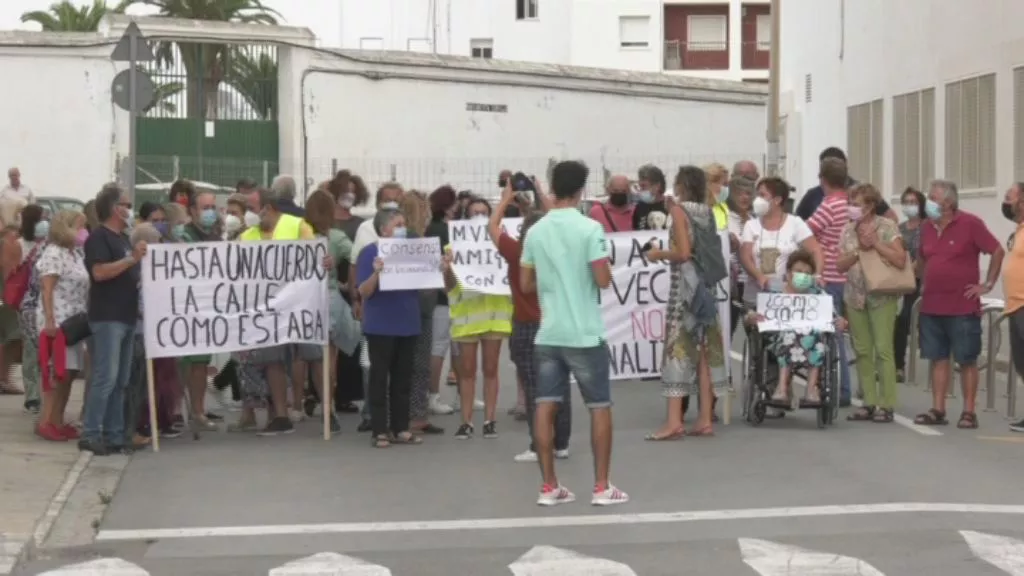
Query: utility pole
[774, 154]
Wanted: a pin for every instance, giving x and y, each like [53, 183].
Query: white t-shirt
[365, 235]
[786, 240]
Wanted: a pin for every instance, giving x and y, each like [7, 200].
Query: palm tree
[67, 17]
[254, 76]
[206, 65]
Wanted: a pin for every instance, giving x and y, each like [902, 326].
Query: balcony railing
[714, 55]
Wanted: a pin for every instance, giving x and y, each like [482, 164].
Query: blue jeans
[588, 365]
[835, 290]
[112, 345]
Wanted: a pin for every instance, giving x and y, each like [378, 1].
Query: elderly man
[950, 323]
[746, 169]
[205, 226]
[275, 224]
[13, 198]
[616, 212]
[113, 265]
[284, 189]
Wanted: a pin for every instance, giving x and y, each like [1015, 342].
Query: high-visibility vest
[721, 213]
[474, 314]
[288, 228]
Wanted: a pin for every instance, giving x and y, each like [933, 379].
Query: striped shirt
[827, 224]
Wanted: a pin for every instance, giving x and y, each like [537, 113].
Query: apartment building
[721, 39]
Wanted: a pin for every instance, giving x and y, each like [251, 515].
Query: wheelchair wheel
[757, 413]
[824, 413]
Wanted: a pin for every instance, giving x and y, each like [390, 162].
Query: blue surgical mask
[178, 231]
[42, 230]
[399, 232]
[911, 210]
[802, 281]
[932, 209]
[208, 217]
[389, 205]
[723, 194]
[645, 196]
[161, 227]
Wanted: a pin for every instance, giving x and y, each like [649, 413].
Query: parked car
[53, 204]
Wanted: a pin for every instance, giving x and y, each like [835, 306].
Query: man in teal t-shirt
[565, 260]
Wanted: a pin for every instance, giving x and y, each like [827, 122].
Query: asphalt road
[782, 499]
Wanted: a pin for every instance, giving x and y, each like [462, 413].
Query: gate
[214, 118]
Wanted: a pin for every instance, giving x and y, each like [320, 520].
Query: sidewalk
[35, 481]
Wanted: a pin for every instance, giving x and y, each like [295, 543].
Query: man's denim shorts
[942, 336]
[588, 365]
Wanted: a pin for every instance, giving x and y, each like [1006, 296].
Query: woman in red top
[525, 323]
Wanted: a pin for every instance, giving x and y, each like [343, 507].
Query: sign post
[133, 48]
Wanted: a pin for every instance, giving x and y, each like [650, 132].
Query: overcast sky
[320, 16]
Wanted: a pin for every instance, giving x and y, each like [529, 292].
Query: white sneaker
[530, 456]
[296, 416]
[438, 407]
[555, 496]
[610, 496]
[478, 405]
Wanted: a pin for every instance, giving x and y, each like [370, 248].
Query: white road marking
[100, 567]
[60, 499]
[772, 559]
[907, 423]
[551, 561]
[1004, 553]
[330, 564]
[587, 520]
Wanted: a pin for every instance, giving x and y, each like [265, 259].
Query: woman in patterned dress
[912, 202]
[694, 356]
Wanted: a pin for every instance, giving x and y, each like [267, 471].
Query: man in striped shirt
[827, 223]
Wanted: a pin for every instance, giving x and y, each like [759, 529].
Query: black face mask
[1008, 212]
[618, 199]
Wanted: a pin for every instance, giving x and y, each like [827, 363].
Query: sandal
[932, 417]
[429, 430]
[882, 416]
[407, 438]
[968, 421]
[862, 414]
[676, 434]
[381, 441]
[704, 431]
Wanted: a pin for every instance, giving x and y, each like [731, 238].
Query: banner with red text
[633, 307]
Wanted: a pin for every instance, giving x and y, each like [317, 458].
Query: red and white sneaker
[555, 495]
[609, 496]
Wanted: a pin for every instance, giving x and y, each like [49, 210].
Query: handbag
[16, 285]
[884, 279]
[76, 329]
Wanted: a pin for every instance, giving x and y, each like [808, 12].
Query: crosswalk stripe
[773, 559]
[551, 561]
[100, 567]
[1004, 553]
[330, 564]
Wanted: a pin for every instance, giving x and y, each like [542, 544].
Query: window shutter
[706, 33]
[875, 128]
[901, 136]
[954, 94]
[634, 31]
[927, 124]
[969, 144]
[764, 32]
[987, 131]
[912, 170]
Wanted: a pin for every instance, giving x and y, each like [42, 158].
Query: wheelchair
[761, 376]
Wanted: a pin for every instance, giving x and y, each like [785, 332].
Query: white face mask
[911, 210]
[232, 223]
[761, 206]
[252, 219]
[389, 205]
[347, 201]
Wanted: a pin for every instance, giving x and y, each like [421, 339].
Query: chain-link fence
[477, 174]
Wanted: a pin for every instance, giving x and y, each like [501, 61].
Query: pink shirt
[621, 216]
[951, 264]
[827, 224]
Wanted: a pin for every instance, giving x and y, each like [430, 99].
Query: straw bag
[884, 279]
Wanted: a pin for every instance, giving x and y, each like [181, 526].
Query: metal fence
[213, 81]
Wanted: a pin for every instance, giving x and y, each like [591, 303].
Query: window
[418, 45]
[634, 31]
[971, 133]
[371, 43]
[706, 33]
[526, 9]
[481, 48]
[864, 142]
[913, 140]
[764, 32]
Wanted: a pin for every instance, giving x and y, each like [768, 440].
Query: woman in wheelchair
[799, 349]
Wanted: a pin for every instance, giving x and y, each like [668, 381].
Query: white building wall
[571, 32]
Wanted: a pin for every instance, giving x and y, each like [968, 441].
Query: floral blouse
[855, 294]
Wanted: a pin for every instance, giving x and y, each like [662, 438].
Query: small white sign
[99, 567]
[330, 564]
[1004, 553]
[551, 561]
[783, 311]
[475, 259]
[410, 263]
[772, 559]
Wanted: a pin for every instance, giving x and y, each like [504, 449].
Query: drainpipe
[772, 168]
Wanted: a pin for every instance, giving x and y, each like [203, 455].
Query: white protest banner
[782, 311]
[633, 307]
[410, 263]
[475, 259]
[214, 297]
